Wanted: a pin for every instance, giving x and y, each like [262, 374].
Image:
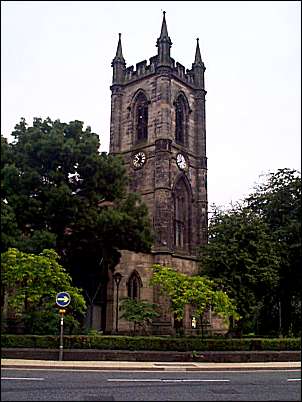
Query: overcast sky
[56, 61]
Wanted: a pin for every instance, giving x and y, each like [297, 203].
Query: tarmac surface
[145, 366]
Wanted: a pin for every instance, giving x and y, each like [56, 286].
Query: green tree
[204, 294]
[9, 227]
[139, 312]
[10, 232]
[277, 201]
[199, 292]
[174, 285]
[243, 259]
[30, 284]
[62, 193]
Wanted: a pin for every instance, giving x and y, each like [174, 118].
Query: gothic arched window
[134, 285]
[141, 117]
[181, 215]
[180, 119]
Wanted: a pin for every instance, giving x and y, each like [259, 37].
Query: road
[93, 385]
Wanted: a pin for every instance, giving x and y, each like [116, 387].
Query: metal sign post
[62, 300]
[61, 311]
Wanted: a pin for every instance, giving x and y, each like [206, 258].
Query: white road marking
[183, 380]
[160, 380]
[23, 378]
[131, 380]
[294, 379]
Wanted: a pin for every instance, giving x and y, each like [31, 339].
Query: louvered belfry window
[141, 117]
[180, 120]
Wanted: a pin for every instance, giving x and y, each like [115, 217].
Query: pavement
[145, 366]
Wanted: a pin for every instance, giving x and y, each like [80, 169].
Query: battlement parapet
[143, 69]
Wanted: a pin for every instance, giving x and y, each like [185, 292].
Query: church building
[158, 127]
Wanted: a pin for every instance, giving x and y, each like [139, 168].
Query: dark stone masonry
[158, 127]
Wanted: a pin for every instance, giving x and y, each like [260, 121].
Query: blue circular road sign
[63, 299]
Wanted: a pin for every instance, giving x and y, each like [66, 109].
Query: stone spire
[118, 64]
[197, 54]
[198, 68]
[164, 30]
[119, 51]
[164, 43]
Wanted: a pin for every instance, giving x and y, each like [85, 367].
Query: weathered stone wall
[144, 356]
[130, 261]
[142, 263]
[156, 179]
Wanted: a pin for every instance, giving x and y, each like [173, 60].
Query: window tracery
[134, 285]
[181, 215]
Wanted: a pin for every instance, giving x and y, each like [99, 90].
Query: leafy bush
[139, 312]
[158, 343]
[29, 341]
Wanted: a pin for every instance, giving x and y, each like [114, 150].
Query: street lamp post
[117, 279]
[280, 319]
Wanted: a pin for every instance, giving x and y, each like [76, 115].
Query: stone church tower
[158, 127]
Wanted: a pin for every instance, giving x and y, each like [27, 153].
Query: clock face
[181, 161]
[139, 159]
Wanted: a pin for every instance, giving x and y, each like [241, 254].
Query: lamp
[117, 279]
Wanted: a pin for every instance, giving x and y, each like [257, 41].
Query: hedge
[112, 342]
